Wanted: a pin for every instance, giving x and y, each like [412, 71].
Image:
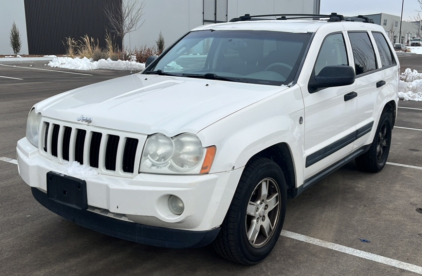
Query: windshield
[261, 57]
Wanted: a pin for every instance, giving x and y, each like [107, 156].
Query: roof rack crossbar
[247, 17]
[333, 17]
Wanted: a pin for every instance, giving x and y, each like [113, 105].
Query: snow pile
[410, 86]
[88, 64]
[415, 50]
[408, 75]
[74, 168]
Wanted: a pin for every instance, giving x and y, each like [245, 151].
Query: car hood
[155, 104]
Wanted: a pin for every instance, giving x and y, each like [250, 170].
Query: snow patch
[415, 50]
[53, 56]
[410, 85]
[88, 64]
[74, 168]
[410, 96]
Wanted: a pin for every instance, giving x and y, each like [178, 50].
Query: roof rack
[333, 17]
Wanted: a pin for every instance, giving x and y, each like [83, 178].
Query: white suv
[207, 143]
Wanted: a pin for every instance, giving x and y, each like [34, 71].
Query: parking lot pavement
[365, 224]
[408, 60]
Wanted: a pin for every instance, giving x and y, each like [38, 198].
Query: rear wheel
[255, 218]
[376, 157]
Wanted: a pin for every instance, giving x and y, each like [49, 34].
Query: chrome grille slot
[129, 155]
[45, 144]
[55, 139]
[66, 143]
[80, 145]
[111, 152]
[94, 151]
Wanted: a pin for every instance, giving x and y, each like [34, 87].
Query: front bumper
[143, 198]
[150, 235]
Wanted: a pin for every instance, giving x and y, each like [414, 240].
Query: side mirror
[331, 76]
[150, 60]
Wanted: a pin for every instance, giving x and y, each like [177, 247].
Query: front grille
[108, 152]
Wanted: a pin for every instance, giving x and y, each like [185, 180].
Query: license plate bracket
[67, 190]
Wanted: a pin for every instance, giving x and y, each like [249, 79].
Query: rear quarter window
[363, 52]
[386, 55]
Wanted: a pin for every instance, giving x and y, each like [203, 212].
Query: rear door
[368, 77]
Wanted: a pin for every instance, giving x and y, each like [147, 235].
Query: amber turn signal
[209, 158]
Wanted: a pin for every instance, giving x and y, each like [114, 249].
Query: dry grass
[144, 52]
[111, 47]
[88, 46]
[71, 46]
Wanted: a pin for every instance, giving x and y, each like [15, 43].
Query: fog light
[176, 205]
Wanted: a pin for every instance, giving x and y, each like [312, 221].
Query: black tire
[232, 242]
[376, 157]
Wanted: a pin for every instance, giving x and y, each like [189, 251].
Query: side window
[363, 52]
[387, 58]
[333, 52]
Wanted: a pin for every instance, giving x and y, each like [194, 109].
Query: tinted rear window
[387, 58]
[363, 52]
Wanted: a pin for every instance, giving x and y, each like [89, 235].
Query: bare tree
[124, 16]
[416, 23]
[392, 31]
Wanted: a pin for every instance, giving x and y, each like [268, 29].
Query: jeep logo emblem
[83, 119]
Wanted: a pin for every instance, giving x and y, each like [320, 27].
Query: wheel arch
[391, 106]
[281, 154]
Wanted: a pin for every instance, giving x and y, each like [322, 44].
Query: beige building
[391, 24]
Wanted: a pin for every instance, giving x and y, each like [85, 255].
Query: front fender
[254, 128]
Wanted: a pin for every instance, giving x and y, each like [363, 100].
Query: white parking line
[410, 108]
[64, 72]
[4, 77]
[354, 252]
[403, 165]
[9, 160]
[409, 128]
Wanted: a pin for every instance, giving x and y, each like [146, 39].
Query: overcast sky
[357, 7]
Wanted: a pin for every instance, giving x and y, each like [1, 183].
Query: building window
[396, 24]
[385, 22]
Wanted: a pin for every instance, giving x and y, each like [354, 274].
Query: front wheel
[255, 218]
[376, 157]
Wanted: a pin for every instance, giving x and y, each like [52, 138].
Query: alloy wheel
[263, 211]
[382, 145]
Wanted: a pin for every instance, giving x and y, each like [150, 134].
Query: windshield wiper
[160, 72]
[210, 76]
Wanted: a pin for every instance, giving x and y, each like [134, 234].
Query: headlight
[182, 154]
[32, 127]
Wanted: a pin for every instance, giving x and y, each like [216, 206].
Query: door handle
[380, 83]
[350, 96]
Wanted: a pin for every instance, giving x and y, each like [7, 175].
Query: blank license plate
[67, 190]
